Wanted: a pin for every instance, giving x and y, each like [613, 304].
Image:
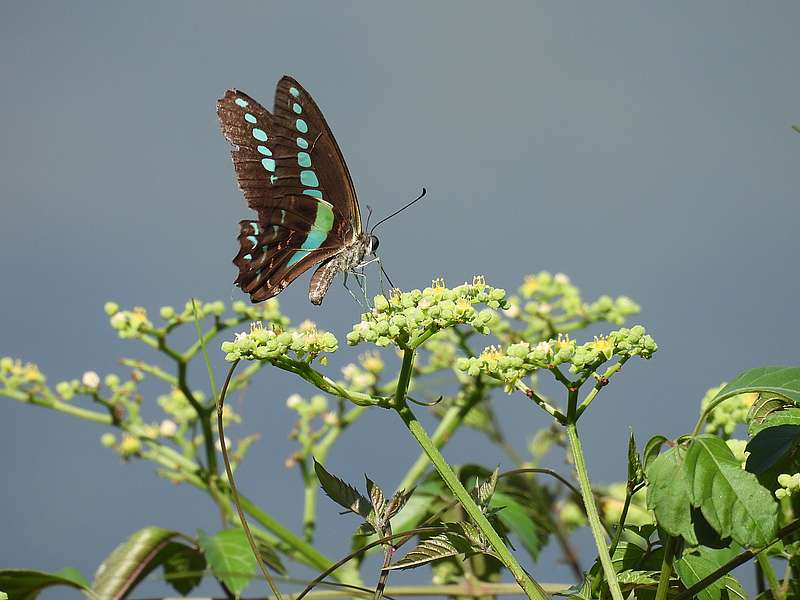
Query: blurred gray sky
[642, 148]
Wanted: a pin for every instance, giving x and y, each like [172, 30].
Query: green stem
[772, 578]
[591, 509]
[451, 420]
[541, 402]
[666, 569]
[601, 383]
[532, 589]
[232, 482]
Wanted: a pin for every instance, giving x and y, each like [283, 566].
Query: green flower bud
[108, 440]
[110, 308]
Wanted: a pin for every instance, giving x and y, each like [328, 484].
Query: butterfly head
[372, 244]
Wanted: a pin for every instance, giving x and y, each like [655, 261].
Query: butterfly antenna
[369, 216]
[397, 212]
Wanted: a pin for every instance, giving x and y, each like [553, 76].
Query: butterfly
[294, 176]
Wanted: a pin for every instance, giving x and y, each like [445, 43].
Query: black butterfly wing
[312, 146]
[296, 226]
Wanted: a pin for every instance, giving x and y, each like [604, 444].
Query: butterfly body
[294, 176]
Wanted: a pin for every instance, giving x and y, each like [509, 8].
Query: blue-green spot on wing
[293, 174]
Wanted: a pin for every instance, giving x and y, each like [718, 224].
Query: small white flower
[167, 428]
[91, 380]
[544, 347]
[294, 401]
[561, 278]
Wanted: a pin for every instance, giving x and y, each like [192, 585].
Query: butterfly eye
[373, 243]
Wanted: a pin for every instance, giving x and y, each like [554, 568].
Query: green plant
[685, 517]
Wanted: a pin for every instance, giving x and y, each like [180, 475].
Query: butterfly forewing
[292, 173]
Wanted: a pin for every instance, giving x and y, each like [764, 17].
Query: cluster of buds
[522, 359]
[547, 302]
[728, 414]
[128, 323]
[404, 315]
[15, 374]
[177, 405]
[364, 375]
[790, 485]
[305, 431]
[261, 343]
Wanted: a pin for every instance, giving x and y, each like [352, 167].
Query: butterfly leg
[361, 280]
[349, 291]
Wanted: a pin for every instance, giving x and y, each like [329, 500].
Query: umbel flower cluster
[405, 317]
[261, 343]
[522, 359]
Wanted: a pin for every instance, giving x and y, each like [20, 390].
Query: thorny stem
[591, 508]
[234, 492]
[532, 589]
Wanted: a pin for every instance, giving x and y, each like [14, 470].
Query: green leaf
[517, 520]
[268, 554]
[771, 445]
[433, 548]
[788, 416]
[342, 493]
[695, 566]
[635, 472]
[230, 557]
[425, 500]
[636, 578]
[379, 503]
[184, 567]
[782, 382]
[74, 575]
[651, 449]
[24, 584]
[669, 494]
[130, 562]
[732, 500]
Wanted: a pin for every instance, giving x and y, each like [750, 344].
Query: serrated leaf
[425, 500]
[230, 557]
[732, 500]
[184, 567]
[517, 520]
[342, 493]
[635, 472]
[693, 567]
[778, 381]
[770, 446]
[397, 502]
[130, 562]
[788, 416]
[669, 494]
[433, 548]
[482, 493]
[25, 584]
[379, 503]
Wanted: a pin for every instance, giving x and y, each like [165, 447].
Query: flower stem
[769, 573]
[532, 589]
[591, 510]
